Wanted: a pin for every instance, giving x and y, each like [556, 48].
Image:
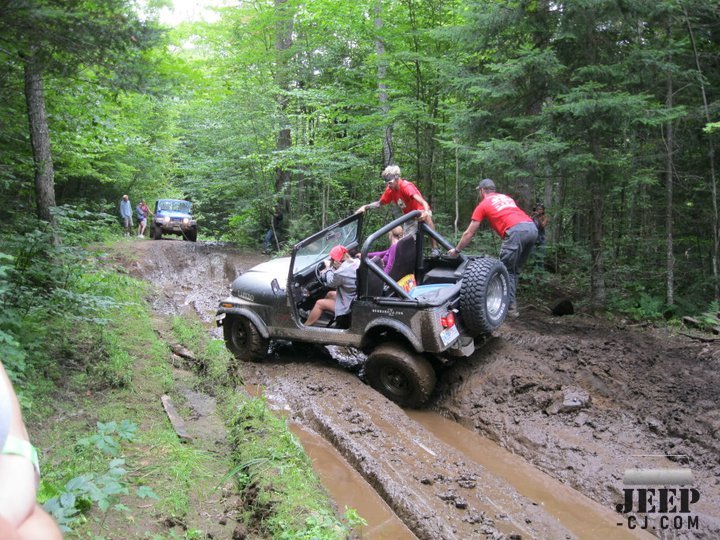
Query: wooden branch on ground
[175, 420]
[700, 338]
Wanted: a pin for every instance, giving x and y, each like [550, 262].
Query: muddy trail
[531, 437]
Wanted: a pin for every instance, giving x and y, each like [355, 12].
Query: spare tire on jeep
[484, 296]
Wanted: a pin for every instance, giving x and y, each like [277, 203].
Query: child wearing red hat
[340, 273]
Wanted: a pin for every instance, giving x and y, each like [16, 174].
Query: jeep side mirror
[275, 286]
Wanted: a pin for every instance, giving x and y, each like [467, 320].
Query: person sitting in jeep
[341, 273]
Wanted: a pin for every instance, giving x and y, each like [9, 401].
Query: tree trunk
[40, 141]
[387, 143]
[457, 191]
[597, 270]
[283, 41]
[669, 166]
[711, 158]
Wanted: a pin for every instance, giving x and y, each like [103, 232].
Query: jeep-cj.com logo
[659, 500]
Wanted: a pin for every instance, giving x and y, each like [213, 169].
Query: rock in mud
[569, 400]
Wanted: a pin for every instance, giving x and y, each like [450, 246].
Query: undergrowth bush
[49, 293]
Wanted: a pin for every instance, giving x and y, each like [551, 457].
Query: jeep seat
[374, 282]
[405, 258]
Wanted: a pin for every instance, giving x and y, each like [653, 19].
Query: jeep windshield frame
[174, 205]
[316, 248]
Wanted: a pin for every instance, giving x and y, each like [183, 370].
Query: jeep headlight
[186, 221]
[166, 219]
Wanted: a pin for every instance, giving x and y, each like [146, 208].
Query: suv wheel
[484, 296]
[192, 235]
[156, 232]
[244, 340]
[405, 377]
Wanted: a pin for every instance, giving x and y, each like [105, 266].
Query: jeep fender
[257, 321]
[386, 322]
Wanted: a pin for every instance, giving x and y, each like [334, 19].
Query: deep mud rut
[547, 417]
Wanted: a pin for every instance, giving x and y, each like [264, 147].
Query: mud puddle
[350, 490]
[584, 517]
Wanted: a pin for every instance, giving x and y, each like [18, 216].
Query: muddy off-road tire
[243, 339]
[402, 376]
[484, 296]
[192, 235]
[156, 232]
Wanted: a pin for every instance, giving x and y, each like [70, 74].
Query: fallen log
[175, 420]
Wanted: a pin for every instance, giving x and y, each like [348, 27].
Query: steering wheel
[318, 270]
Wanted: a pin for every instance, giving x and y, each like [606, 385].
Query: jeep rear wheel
[484, 296]
[243, 339]
[404, 377]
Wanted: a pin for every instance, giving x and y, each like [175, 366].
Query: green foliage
[80, 225]
[69, 504]
[109, 436]
[643, 307]
[710, 319]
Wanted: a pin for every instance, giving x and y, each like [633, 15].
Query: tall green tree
[63, 37]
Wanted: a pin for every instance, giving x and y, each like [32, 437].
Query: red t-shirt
[403, 196]
[501, 211]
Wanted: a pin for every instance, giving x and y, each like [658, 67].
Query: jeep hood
[256, 281]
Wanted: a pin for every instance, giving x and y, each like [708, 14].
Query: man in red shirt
[406, 195]
[515, 227]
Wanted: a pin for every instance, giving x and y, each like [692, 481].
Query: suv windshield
[175, 206]
[319, 248]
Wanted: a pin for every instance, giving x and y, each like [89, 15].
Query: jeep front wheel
[244, 340]
[484, 296]
[156, 232]
[402, 376]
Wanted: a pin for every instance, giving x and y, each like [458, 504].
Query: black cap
[486, 184]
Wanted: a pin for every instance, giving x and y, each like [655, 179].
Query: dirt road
[547, 418]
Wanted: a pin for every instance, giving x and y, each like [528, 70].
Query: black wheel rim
[239, 335]
[395, 382]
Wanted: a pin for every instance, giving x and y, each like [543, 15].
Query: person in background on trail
[388, 255]
[515, 227]
[406, 195]
[126, 214]
[142, 212]
[541, 221]
[340, 273]
[272, 233]
[21, 518]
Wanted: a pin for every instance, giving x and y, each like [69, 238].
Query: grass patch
[283, 497]
[213, 361]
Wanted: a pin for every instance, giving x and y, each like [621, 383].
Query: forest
[605, 111]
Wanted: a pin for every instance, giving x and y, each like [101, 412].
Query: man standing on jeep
[515, 227]
[405, 194]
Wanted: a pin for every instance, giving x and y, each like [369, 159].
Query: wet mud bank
[576, 400]
[585, 401]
